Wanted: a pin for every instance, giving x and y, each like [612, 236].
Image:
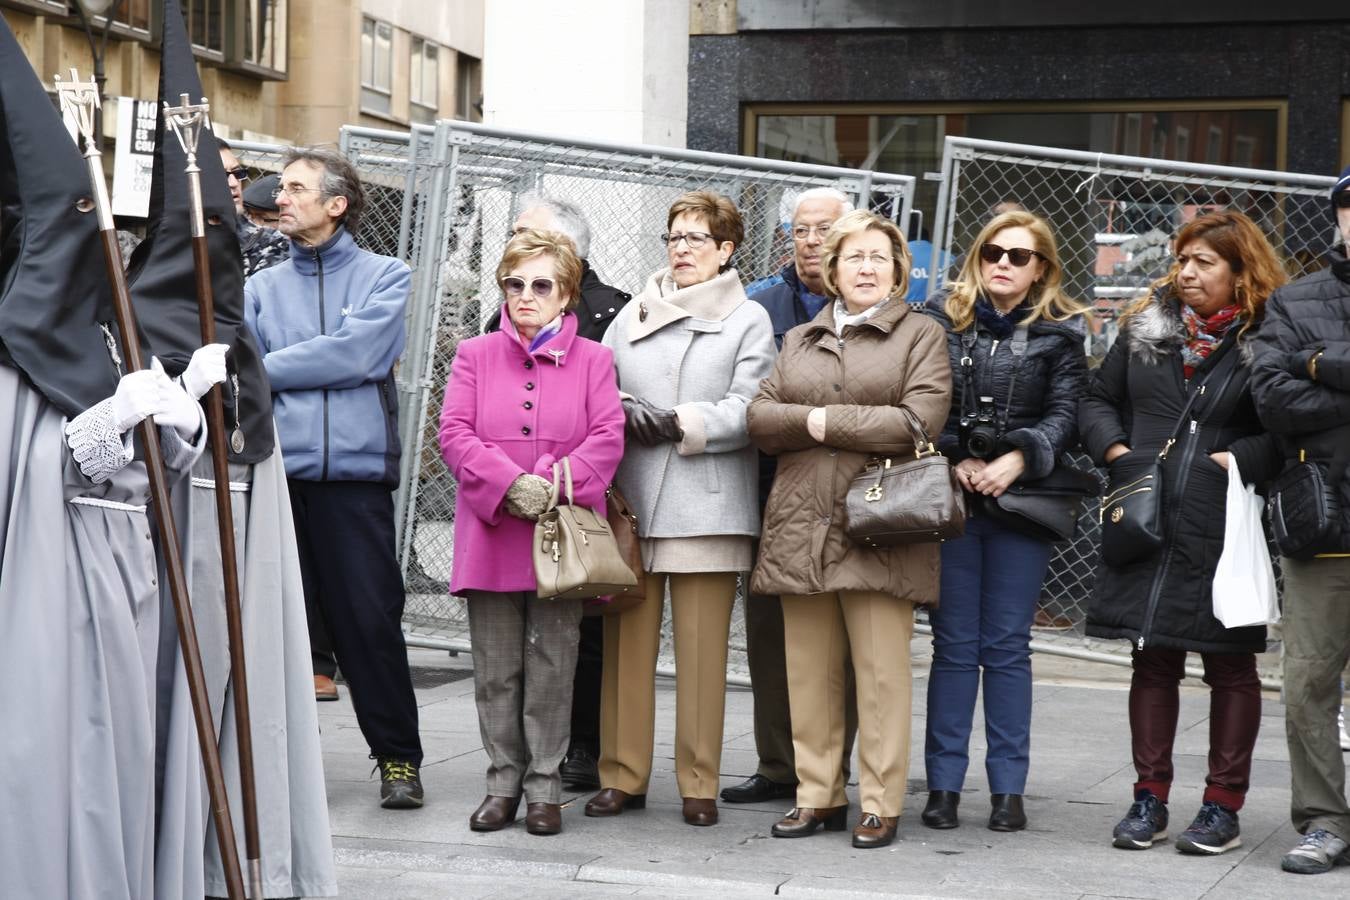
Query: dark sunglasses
[1018, 256]
[514, 287]
[240, 174]
[1341, 200]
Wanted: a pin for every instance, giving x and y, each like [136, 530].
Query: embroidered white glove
[137, 396]
[175, 408]
[205, 369]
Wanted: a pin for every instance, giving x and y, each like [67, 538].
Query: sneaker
[400, 784]
[1345, 735]
[1144, 825]
[1316, 853]
[1214, 831]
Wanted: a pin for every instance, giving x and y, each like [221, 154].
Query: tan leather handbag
[575, 554]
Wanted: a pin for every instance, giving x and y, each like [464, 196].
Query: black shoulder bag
[1305, 508]
[1046, 508]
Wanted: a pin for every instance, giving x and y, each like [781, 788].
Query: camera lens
[981, 442]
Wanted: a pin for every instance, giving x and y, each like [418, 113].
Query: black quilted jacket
[1136, 399]
[1309, 315]
[1042, 418]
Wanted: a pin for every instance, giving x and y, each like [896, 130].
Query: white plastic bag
[1244, 582]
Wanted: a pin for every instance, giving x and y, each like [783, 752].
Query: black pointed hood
[54, 290]
[162, 276]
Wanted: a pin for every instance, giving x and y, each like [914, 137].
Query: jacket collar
[555, 351]
[662, 303]
[335, 252]
[884, 320]
[1156, 333]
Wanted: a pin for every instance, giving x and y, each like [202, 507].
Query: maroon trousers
[1234, 719]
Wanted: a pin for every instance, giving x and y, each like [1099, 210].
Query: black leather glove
[649, 425]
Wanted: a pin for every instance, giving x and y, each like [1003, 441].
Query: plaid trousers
[524, 659]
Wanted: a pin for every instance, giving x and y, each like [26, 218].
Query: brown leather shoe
[324, 688]
[873, 831]
[612, 801]
[800, 822]
[494, 813]
[699, 811]
[543, 818]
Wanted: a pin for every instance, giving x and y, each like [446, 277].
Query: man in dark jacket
[1301, 385]
[598, 306]
[792, 297]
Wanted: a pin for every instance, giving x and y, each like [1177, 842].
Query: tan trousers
[701, 616]
[821, 632]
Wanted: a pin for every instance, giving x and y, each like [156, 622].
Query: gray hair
[567, 218]
[339, 179]
[824, 193]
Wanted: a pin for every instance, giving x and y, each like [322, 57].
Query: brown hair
[1256, 267]
[723, 218]
[534, 242]
[1047, 299]
[856, 222]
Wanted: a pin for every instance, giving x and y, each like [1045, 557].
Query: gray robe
[79, 621]
[294, 834]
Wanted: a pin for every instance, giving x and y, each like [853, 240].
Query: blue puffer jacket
[330, 324]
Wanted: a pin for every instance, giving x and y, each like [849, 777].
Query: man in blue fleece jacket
[329, 321]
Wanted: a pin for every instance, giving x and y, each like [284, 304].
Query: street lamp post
[98, 48]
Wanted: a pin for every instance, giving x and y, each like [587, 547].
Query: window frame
[237, 42]
[417, 56]
[386, 91]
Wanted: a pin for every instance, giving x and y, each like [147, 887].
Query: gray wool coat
[702, 351]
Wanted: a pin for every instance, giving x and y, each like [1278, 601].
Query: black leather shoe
[941, 809]
[1007, 814]
[757, 789]
[579, 770]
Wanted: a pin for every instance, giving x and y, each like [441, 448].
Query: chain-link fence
[479, 176]
[1114, 218]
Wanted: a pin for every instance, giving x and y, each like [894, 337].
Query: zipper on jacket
[1155, 589]
[323, 329]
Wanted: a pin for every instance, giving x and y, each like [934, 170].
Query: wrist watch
[1312, 364]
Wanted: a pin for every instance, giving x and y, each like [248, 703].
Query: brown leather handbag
[623, 522]
[911, 501]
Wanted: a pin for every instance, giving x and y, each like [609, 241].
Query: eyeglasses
[804, 232]
[540, 287]
[857, 259]
[1018, 256]
[695, 239]
[240, 174]
[1341, 200]
[293, 190]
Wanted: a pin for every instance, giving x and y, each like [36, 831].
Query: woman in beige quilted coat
[838, 397]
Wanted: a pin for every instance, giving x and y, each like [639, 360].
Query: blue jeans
[991, 579]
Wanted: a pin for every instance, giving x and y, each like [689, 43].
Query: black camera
[979, 434]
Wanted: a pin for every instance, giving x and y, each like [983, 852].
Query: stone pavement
[1080, 785]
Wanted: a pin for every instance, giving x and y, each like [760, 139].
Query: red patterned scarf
[1203, 335]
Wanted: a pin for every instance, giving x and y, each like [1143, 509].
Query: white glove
[175, 408]
[137, 396]
[205, 369]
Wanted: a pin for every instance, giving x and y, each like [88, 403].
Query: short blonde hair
[532, 242]
[1047, 299]
[855, 223]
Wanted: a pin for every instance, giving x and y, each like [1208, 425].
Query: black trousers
[586, 686]
[345, 531]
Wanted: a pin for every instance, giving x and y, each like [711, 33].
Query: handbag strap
[565, 465]
[1017, 345]
[1185, 411]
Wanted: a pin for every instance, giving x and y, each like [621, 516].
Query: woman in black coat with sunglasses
[1014, 411]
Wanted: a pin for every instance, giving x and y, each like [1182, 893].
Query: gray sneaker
[1316, 853]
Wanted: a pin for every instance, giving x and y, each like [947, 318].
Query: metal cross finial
[80, 100]
[187, 121]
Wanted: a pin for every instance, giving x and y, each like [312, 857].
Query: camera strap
[1017, 345]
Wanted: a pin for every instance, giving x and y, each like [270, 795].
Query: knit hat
[261, 194]
[1341, 184]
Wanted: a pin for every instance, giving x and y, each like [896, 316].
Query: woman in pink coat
[518, 400]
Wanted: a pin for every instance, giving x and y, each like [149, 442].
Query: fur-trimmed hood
[1157, 331]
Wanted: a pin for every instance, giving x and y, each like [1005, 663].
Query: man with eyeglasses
[597, 307]
[792, 297]
[1301, 387]
[261, 247]
[329, 321]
